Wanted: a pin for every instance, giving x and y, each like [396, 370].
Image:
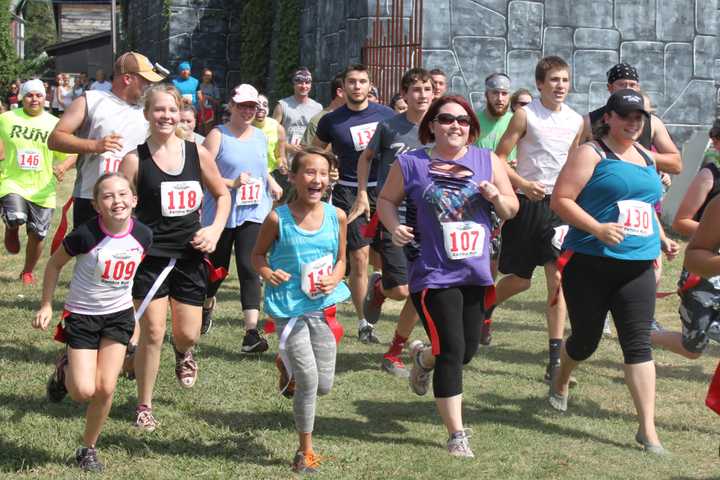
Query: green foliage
[257, 23]
[287, 54]
[8, 59]
[40, 29]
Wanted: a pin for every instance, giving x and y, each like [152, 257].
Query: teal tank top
[623, 192]
[295, 252]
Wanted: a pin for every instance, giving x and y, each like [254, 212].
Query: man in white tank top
[103, 126]
[543, 131]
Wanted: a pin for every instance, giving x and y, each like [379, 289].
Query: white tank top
[107, 113]
[543, 150]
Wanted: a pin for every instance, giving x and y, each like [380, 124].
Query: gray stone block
[597, 96]
[443, 59]
[474, 19]
[558, 41]
[436, 24]
[706, 17]
[579, 13]
[597, 39]
[234, 47]
[479, 57]
[578, 102]
[521, 68]
[716, 71]
[499, 6]
[692, 106]
[682, 133]
[179, 48]
[676, 20]
[657, 101]
[591, 66]
[182, 20]
[458, 85]
[635, 19]
[525, 21]
[648, 58]
[208, 46]
[477, 100]
[212, 21]
[679, 61]
[704, 53]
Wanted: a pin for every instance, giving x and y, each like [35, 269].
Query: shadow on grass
[510, 355]
[685, 372]
[14, 458]
[24, 352]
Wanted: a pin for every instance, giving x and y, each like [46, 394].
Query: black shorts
[17, 211]
[527, 238]
[698, 309]
[343, 197]
[394, 263]
[187, 282]
[83, 332]
[82, 211]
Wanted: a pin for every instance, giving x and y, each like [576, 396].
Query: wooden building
[81, 18]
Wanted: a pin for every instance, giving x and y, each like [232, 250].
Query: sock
[379, 295]
[397, 345]
[363, 323]
[555, 344]
[488, 314]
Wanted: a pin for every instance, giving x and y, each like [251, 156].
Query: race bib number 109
[636, 217]
[180, 198]
[117, 268]
[463, 239]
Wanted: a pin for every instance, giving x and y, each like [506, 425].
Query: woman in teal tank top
[606, 192]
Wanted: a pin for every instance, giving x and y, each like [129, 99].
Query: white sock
[362, 323]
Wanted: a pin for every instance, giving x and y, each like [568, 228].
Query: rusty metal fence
[394, 45]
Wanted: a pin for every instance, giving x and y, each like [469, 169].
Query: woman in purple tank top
[451, 187]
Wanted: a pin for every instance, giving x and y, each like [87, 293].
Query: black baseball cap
[626, 101]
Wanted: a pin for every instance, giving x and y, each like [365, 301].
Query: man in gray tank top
[294, 112]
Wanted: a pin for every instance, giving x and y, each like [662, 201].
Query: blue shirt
[188, 88]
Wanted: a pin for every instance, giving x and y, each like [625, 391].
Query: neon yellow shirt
[27, 169]
[270, 129]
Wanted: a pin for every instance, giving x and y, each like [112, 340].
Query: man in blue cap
[187, 84]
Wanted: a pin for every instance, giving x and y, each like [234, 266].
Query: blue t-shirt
[188, 88]
[350, 133]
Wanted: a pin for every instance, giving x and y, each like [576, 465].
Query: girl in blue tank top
[300, 254]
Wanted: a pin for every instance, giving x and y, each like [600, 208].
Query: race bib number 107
[463, 239]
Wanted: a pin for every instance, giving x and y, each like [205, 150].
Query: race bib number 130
[636, 217]
[180, 198]
[463, 239]
[312, 273]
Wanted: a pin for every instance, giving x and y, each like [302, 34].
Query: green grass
[233, 424]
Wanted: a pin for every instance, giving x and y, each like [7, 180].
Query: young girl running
[98, 314]
[300, 253]
[170, 174]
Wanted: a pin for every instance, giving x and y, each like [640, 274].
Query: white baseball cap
[32, 86]
[245, 93]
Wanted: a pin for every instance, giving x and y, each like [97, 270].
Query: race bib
[295, 139]
[312, 273]
[635, 217]
[559, 236]
[29, 159]
[463, 239]
[116, 268]
[362, 134]
[109, 163]
[249, 193]
[180, 198]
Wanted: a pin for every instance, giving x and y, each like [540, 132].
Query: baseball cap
[626, 101]
[245, 93]
[32, 86]
[497, 81]
[133, 62]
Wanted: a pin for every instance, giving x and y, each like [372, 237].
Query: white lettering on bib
[463, 239]
[635, 217]
[249, 193]
[312, 273]
[559, 236]
[116, 268]
[362, 134]
[109, 162]
[180, 198]
[29, 159]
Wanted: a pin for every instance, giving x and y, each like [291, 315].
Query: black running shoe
[56, 389]
[86, 459]
[253, 342]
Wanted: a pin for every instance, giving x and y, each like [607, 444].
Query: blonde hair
[169, 89]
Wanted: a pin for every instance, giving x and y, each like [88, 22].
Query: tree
[40, 31]
[8, 59]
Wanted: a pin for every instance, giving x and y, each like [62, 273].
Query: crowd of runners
[426, 203]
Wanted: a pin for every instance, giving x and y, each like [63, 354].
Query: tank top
[250, 202]
[623, 192]
[444, 220]
[543, 150]
[304, 255]
[296, 117]
[169, 204]
[713, 191]
[645, 138]
[106, 113]
[270, 129]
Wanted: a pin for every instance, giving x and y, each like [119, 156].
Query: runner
[81, 85]
[294, 112]
[103, 126]
[392, 138]
[61, 94]
[452, 186]
[337, 101]
[439, 81]
[241, 157]
[349, 129]
[520, 98]
[606, 192]
[543, 131]
[170, 174]
[187, 85]
[211, 102]
[13, 96]
[188, 114]
[29, 172]
[275, 136]
[398, 103]
[300, 253]
[98, 316]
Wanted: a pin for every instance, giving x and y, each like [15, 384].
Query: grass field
[233, 424]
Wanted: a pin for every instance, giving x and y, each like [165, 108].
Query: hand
[402, 235]
[513, 163]
[59, 172]
[327, 284]
[282, 166]
[242, 179]
[277, 277]
[489, 191]
[360, 207]
[205, 240]
[276, 191]
[334, 175]
[110, 143]
[42, 318]
[665, 179]
[535, 191]
[670, 248]
[610, 233]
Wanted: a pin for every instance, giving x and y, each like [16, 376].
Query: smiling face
[312, 178]
[302, 88]
[115, 200]
[453, 135]
[187, 119]
[555, 87]
[242, 114]
[33, 103]
[625, 128]
[262, 108]
[163, 113]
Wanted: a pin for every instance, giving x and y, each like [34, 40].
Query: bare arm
[388, 201]
[697, 192]
[129, 166]
[328, 284]
[206, 238]
[361, 206]
[667, 157]
[280, 153]
[278, 113]
[701, 256]
[50, 279]
[63, 139]
[268, 233]
[515, 131]
[505, 202]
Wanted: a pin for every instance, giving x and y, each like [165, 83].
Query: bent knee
[401, 292]
[82, 393]
[580, 351]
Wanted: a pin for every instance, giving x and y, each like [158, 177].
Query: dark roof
[59, 2]
[56, 48]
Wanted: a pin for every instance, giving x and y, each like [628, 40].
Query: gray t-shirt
[296, 117]
[392, 138]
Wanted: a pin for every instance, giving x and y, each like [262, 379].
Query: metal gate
[394, 46]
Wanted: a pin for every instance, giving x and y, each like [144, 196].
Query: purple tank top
[453, 220]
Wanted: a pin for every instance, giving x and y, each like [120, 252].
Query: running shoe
[186, 369]
[286, 385]
[552, 370]
[367, 335]
[144, 419]
[56, 389]
[557, 400]
[459, 446]
[485, 329]
[27, 279]
[372, 305]
[655, 449]
[128, 368]
[207, 317]
[306, 462]
[253, 342]
[86, 459]
[394, 366]
[12, 241]
[419, 375]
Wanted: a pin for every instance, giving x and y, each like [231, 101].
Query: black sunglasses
[448, 119]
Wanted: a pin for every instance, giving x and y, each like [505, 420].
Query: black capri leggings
[243, 237]
[452, 318]
[592, 286]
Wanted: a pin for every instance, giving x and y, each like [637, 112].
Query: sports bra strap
[610, 154]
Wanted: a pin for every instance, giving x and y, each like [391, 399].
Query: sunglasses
[448, 119]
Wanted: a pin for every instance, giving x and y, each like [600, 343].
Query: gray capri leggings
[311, 351]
